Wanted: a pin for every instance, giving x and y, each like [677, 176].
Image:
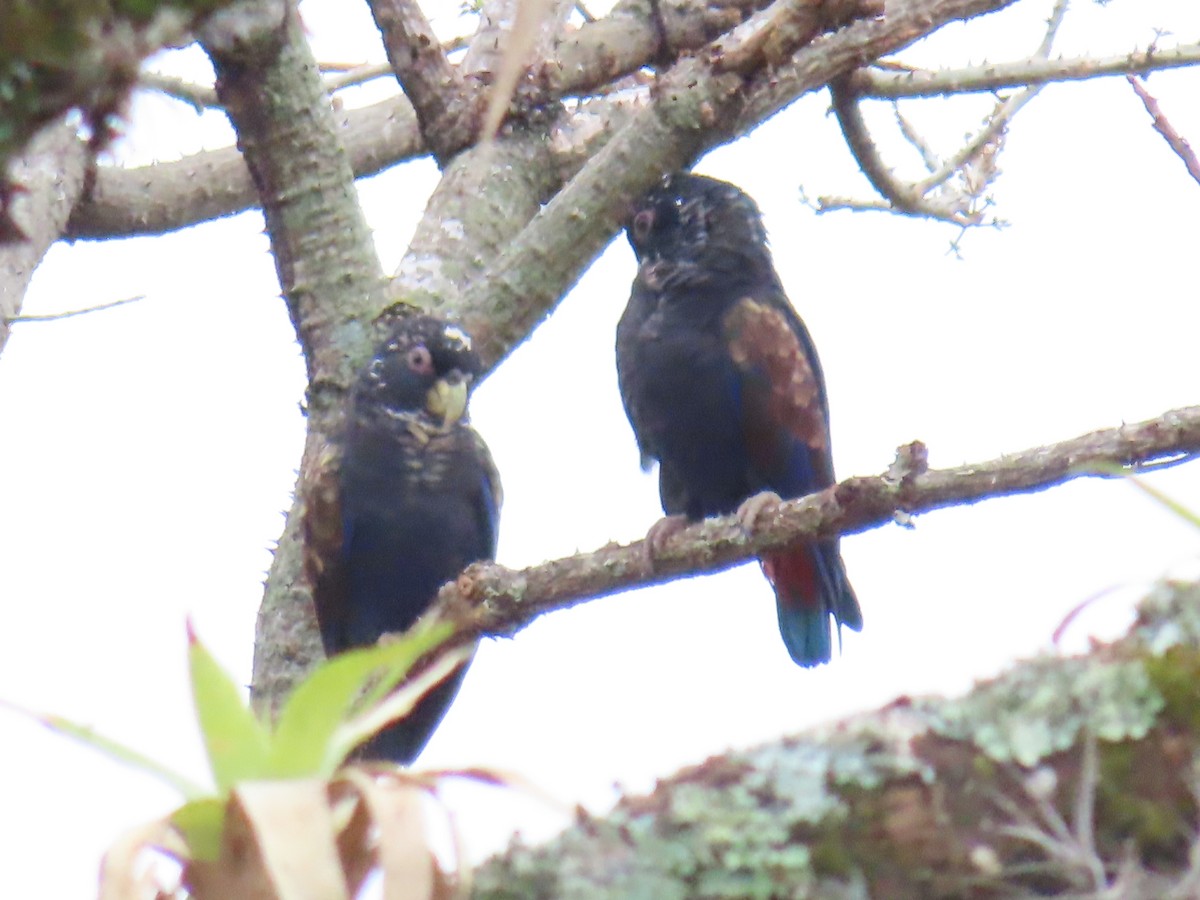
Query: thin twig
[1052, 25]
[1085, 810]
[54, 317]
[1163, 126]
[354, 76]
[901, 196]
[198, 96]
[910, 134]
[583, 11]
[974, 163]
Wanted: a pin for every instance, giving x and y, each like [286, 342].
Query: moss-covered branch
[1066, 777]
[331, 279]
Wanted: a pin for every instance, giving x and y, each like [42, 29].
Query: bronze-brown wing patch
[762, 343]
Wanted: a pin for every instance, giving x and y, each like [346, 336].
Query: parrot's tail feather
[810, 586]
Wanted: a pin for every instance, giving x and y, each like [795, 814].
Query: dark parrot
[419, 500]
[722, 385]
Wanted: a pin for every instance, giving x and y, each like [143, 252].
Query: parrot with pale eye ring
[419, 501]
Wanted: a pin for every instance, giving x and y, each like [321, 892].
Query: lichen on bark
[1065, 776]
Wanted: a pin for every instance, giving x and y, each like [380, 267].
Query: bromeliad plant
[284, 817]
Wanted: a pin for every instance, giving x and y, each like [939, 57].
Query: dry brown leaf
[122, 877]
[405, 858]
[279, 844]
[355, 847]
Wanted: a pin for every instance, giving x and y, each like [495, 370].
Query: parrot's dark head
[691, 226]
[424, 365]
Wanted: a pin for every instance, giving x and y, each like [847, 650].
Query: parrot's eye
[642, 223]
[420, 360]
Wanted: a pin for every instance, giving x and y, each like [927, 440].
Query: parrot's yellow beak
[447, 399]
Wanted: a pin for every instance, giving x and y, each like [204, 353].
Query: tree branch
[1065, 776]
[171, 195]
[974, 163]
[1177, 142]
[50, 173]
[165, 196]
[444, 105]
[324, 255]
[331, 279]
[489, 599]
[693, 107]
[875, 83]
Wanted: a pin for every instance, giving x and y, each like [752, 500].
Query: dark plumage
[722, 385]
[419, 500]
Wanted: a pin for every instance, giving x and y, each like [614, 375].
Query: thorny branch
[489, 599]
[895, 82]
[171, 195]
[974, 164]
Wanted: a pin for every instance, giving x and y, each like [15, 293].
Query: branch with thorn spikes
[492, 600]
[972, 168]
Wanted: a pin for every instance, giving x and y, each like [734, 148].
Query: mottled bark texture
[330, 277]
[1066, 777]
[51, 174]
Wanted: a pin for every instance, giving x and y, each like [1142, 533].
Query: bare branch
[49, 176]
[974, 163]
[782, 28]
[901, 197]
[197, 96]
[493, 600]
[353, 76]
[441, 98]
[875, 83]
[693, 107]
[1163, 126]
[170, 195]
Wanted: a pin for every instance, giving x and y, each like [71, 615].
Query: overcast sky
[149, 452]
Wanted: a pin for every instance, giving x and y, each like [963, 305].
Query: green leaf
[397, 704]
[302, 744]
[200, 824]
[1170, 503]
[237, 743]
[86, 735]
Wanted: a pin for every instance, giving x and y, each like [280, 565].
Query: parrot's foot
[662, 531]
[753, 508]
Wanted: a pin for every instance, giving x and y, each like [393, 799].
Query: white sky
[148, 453]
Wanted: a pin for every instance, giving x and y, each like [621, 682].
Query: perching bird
[419, 500]
[722, 385]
